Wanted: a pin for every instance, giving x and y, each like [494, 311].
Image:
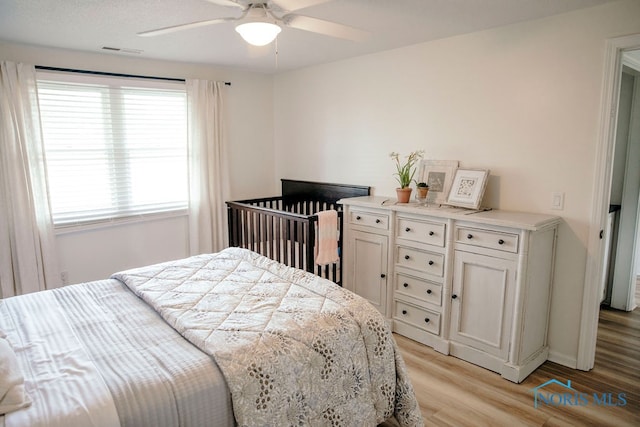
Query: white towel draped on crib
[327, 237]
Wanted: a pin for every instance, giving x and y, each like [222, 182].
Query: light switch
[557, 200]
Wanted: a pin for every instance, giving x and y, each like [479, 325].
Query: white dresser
[475, 285]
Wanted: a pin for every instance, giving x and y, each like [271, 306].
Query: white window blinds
[115, 147]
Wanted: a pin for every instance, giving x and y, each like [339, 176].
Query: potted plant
[422, 189]
[405, 172]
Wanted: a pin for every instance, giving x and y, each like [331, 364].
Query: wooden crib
[283, 228]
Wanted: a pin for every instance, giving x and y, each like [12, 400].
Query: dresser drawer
[418, 317]
[429, 262]
[506, 242]
[431, 233]
[414, 288]
[369, 219]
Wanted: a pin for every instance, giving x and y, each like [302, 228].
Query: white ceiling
[89, 25]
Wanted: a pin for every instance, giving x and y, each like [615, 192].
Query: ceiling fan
[260, 22]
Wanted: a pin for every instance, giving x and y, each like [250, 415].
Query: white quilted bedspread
[294, 348]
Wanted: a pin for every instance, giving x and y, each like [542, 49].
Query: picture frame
[468, 188]
[438, 174]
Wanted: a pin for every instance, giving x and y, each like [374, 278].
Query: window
[115, 147]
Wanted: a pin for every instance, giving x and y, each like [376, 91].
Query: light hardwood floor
[452, 392]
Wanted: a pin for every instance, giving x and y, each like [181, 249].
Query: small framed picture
[468, 188]
[438, 174]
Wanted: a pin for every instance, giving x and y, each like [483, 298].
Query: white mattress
[102, 357]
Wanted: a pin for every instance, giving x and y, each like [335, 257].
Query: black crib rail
[283, 227]
[283, 231]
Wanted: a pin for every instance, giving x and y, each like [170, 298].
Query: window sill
[116, 222]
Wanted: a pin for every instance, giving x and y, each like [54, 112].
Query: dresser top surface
[513, 219]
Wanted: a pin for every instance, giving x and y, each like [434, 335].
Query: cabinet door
[482, 302]
[368, 267]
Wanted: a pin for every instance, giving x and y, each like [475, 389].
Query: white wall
[98, 252]
[522, 100]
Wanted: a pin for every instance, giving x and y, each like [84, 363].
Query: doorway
[592, 297]
[621, 254]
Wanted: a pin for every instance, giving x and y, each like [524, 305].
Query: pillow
[12, 393]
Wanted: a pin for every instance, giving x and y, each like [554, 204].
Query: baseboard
[563, 359]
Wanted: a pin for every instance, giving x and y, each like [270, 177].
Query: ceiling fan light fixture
[258, 33]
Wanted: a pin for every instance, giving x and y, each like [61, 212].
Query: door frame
[602, 193]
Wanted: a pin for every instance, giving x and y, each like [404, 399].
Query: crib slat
[260, 234]
[245, 229]
[300, 240]
[290, 249]
[277, 239]
[310, 244]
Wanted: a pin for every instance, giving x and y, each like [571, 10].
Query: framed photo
[468, 187]
[438, 174]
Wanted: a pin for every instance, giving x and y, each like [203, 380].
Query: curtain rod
[102, 73]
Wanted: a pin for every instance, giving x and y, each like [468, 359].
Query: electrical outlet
[64, 276]
[557, 200]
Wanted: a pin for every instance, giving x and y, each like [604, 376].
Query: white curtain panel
[208, 169]
[27, 254]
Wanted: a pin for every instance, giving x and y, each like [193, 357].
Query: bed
[231, 338]
[283, 228]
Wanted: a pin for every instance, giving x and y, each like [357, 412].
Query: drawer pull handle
[407, 257]
[426, 319]
[501, 242]
[383, 275]
[406, 285]
[431, 262]
[454, 296]
[407, 229]
[378, 221]
[429, 291]
[431, 233]
[404, 312]
[469, 236]
[358, 218]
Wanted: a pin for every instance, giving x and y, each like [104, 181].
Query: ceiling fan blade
[180, 27]
[325, 27]
[226, 3]
[291, 5]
